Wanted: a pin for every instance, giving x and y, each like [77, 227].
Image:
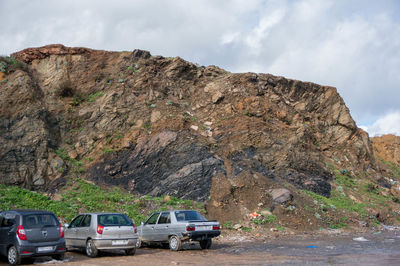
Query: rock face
[162, 165]
[387, 147]
[164, 126]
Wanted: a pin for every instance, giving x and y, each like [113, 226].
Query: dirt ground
[332, 248]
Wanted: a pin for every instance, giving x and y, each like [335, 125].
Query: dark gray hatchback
[30, 233]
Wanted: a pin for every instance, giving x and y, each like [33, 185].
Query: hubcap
[174, 243]
[89, 248]
[12, 255]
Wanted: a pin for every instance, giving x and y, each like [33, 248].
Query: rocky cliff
[164, 126]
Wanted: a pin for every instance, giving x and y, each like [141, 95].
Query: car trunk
[203, 226]
[116, 226]
[121, 232]
[41, 227]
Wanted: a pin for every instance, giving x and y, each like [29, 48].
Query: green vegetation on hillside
[82, 196]
[9, 64]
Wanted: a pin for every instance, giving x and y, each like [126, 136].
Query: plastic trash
[254, 215]
[360, 239]
[312, 246]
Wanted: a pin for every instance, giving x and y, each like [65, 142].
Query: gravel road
[373, 248]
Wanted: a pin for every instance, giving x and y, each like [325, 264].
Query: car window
[153, 218]
[7, 222]
[115, 219]
[39, 220]
[165, 218]
[76, 222]
[86, 221]
[189, 216]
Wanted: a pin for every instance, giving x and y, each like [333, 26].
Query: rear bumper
[108, 243]
[33, 249]
[202, 235]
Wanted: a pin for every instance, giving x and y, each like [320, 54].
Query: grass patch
[395, 168]
[246, 229]
[339, 202]
[345, 180]
[228, 225]
[81, 196]
[93, 96]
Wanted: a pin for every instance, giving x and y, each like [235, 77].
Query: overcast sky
[351, 45]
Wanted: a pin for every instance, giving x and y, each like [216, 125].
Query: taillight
[100, 229]
[135, 228]
[216, 227]
[21, 233]
[61, 231]
[190, 227]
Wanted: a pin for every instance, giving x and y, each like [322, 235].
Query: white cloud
[387, 124]
[353, 45]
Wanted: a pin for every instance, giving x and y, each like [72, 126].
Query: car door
[162, 227]
[70, 232]
[149, 226]
[5, 232]
[82, 230]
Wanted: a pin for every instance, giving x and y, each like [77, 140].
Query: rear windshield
[114, 220]
[189, 216]
[39, 220]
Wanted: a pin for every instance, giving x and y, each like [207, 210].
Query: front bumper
[27, 249]
[202, 235]
[110, 243]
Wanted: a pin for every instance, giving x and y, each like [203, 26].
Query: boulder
[281, 195]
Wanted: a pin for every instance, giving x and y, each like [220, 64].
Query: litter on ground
[360, 239]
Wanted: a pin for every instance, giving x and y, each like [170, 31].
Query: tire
[130, 252]
[175, 243]
[205, 244]
[58, 256]
[13, 256]
[91, 250]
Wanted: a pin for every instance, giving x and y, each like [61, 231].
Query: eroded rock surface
[155, 125]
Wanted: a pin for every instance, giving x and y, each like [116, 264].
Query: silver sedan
[101, 231]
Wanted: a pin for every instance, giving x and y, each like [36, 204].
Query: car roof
[24, 211]
[98, 213]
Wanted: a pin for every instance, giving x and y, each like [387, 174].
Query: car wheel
[175, 243]
[13, 256]
[130, 252]
[205, 244]
[58, 257]
[91, 249]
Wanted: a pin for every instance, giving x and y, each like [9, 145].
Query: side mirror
[66, 225]
[141, 223]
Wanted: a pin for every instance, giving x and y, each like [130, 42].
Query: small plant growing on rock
[228, 225]
[246, 229]
[271, 219]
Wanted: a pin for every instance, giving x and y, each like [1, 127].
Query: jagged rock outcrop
[156, 125]
[387, 147]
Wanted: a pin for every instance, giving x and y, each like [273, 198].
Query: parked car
[174, 227]
[30, 233]
[101, 231]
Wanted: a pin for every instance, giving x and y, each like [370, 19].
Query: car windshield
[113, 220]
[39, 221]
[189, 216]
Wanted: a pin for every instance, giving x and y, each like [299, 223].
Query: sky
[353, 45]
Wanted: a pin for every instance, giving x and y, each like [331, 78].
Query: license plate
[204, 228]
[43, 249]
[119, 242]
